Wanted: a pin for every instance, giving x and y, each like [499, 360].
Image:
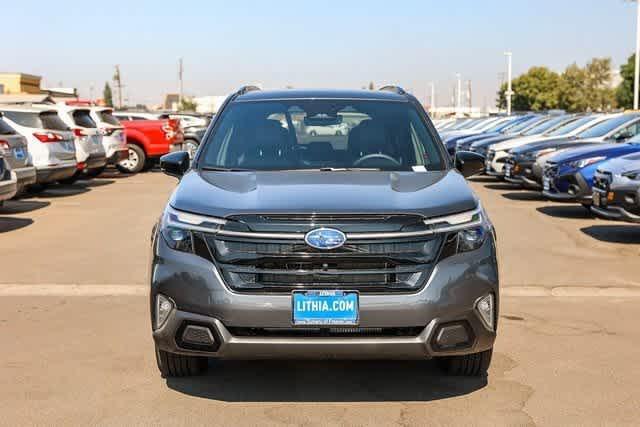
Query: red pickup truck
[147, 140]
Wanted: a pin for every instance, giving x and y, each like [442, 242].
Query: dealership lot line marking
[77, 290]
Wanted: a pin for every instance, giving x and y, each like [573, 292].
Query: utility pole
[469, 100]
[636, 77]
[458, 93]
[433, 97]
[118, 83]
[91, 92]
[180, 88]
[509, 92]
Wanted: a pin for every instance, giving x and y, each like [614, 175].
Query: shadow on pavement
[96, 182]
[501, 187]
[566, 211]
[13, 207]
[114, 174]
[482, 179]
[524, 196]
[325, 381]
[628, 234]
[11, 224]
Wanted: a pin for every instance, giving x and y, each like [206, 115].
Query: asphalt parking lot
[75, 329]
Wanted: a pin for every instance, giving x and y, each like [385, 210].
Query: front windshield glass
[524, 124]
[322, 134]
[606, 127]
[571, 126]
[545, 126]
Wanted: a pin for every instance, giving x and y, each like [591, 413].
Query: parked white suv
[90, 153]
[49, 139]
[114, 139]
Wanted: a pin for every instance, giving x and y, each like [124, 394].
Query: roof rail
[246, 89]
[393, 88]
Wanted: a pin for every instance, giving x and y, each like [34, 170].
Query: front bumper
[581, 193]
[618, 204]
[201, 297]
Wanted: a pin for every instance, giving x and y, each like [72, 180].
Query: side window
[627, 132]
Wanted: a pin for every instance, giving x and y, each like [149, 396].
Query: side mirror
[469, 163]
[175, 164]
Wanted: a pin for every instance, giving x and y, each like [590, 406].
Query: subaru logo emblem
[325, 238]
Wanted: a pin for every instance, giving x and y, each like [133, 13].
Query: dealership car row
[46, 143]
[591, 160]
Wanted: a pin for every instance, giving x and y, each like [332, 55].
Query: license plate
[546, 184]
[326, 307]
[596, 199]
[68, 146]
[507, 171]
[19, 153]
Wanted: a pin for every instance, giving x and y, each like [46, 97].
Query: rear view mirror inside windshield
[322, 120]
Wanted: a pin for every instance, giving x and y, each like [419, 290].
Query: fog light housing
[164, 306]
[453, 336]
[485, 307]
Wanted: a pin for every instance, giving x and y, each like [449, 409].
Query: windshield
[545, 126]
[571, 126]
[5, 129]
[499, 125]
[525, 124]
[606, 127]
[45, 120]
[107, 117]
[82, 118]
[319, 134]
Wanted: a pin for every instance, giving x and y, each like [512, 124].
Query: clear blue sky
[305, 43]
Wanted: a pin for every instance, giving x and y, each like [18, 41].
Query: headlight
[632, 175]
[472, 228]
[177, 227]
[579, 164]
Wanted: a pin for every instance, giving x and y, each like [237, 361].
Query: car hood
[541, 145]
[590, 150]
[312, 192]
[518, 142]
[623, 164]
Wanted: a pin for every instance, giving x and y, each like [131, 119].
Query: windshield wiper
[348, 169]
[217, 169]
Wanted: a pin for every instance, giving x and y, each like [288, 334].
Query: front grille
[602, 180]
[327, 332]
[250, 264]
[551, 170]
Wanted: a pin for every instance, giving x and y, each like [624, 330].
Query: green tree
[624, 93]
[571, 91]
[536, 90]
[187, 105]
[107, 95]
[599, 94]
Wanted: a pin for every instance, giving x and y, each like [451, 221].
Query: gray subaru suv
[358, 239]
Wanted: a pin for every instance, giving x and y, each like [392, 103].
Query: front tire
[135, 162]
[468, 365]
[178, 365]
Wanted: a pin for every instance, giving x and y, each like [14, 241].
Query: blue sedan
[568, 175]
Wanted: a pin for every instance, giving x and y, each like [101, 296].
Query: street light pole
[509, 92]
[458, 94]
[636, 78]
[433, 97]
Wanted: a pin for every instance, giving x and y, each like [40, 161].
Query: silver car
[49, 140]
[15, 149]
[8, 182]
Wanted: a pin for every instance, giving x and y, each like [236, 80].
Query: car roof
[27, 108]
[264, 95]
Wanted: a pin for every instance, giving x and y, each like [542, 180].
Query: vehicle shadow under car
[623, 233]
[325, 381]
